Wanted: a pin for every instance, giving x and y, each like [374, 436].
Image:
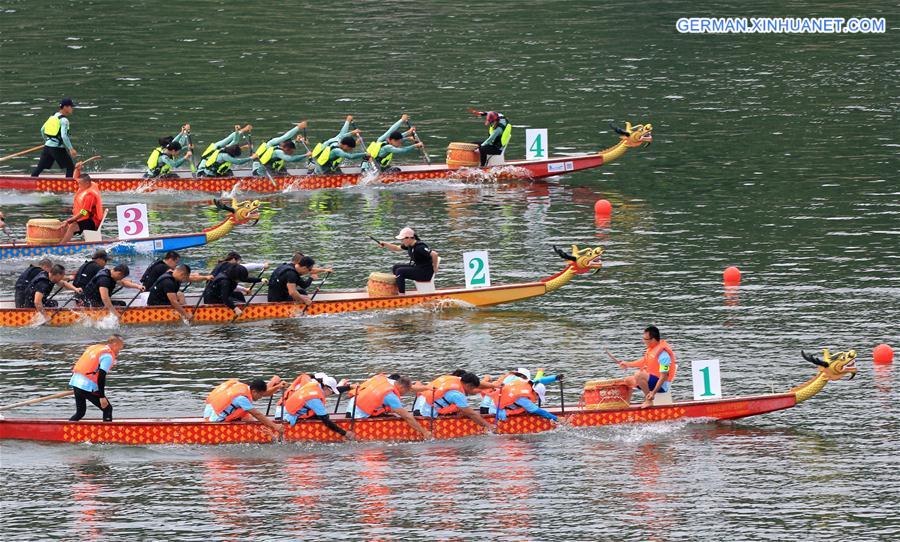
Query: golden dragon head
[635, 136]
[241, 212]
[834, 367]
[582, 261]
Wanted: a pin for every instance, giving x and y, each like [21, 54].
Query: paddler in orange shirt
[87, 209]
[656, 370]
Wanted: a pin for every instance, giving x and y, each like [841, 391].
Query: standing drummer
[423, 262]
[57, 147]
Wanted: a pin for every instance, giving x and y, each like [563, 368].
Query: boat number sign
[132, 220]
[535, 143]
[707, 381]
[478, 269]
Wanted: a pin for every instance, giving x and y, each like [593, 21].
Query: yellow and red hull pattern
[218, 314]
[390, 428]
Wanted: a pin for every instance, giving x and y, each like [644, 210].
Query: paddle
[22, 153]
[362, 142]
[54, 313]
[54, 293]
[269, 175]
[313, 296]
[380, 243]
[236, 316]
[422, 148]
[89, 160]
[37, 400]
[128, 306]
[191, 148]
[433, 410]
[497, 415]
[562, 402]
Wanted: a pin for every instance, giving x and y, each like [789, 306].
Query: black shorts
[86, 224]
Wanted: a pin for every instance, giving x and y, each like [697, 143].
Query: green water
[775, 153]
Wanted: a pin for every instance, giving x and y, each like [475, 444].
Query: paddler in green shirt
[277, 152]
[217, 159]
[328, 155]
[164, 159]
[390, 143]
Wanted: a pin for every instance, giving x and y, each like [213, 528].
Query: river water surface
[778, 154]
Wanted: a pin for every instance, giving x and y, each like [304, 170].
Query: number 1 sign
[707, 381]
[478, 269]
[132, 220]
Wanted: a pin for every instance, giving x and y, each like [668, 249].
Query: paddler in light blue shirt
[383, 149]
[277, 152]
[217, 159]
[327, 156]
[522, 403]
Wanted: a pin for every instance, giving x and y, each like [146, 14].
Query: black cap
[66, 101]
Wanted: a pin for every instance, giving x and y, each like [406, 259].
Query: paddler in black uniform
[169, 262]
[223, 287]
[166, 290]
[39, 287]
[98, 291]
[290, 280]
[89, 268]
[26, 277]
[423, 262]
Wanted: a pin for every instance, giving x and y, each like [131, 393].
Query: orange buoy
[883, 354]
[603, 207]
[732, 276]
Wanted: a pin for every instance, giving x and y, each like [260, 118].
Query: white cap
[406, 232]
[524, 372]
[541, 391]
[331, 383]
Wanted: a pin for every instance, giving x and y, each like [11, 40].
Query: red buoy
[732, 276]
[883, 354]
[603, 207]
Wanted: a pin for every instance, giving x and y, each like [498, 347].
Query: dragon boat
[391, 428]
[325, 302]
[238, 213]
[629, 137]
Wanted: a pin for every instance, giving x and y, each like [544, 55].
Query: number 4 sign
[535, 143]
[478, 269]
[707, 381]
[132, 220]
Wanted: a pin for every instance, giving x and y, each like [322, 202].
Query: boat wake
[480, 176]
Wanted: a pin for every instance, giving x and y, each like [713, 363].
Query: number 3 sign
[478, 269]
[132, 220]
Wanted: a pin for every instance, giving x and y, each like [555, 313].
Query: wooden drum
[462, 155]
[606, 394]
[382, 285]
[44, 231]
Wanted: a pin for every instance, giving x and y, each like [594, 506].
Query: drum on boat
[462, 155]
[44, 231]
[382, 285]
[606, 394]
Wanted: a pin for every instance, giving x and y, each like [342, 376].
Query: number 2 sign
[132, 220]
[478, 269]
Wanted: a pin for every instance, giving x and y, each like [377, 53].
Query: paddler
[276, 153]
[290, 280]
[499, 134]
[380, 395]
[166, 290]
[217, 159]
[164, 158]
[233, 400]
[57, 147]
[223, 288]
[169, 262]
[25, 278]
[328, 155]
[98, 291]
[655, 370]
[305, 398]
[517, 397]
[89, 377]
[87, 207]
[447, 395]
[538, 384]
[423, 262]
[39, 287]
[390, 143]
[89, 268]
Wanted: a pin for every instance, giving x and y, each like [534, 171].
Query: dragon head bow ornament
[580, 261]
[241, 212]
[635, 136]
[833, 367]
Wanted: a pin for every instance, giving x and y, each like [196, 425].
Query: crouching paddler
[305, 398]
[380, 395]
[518, 397]
[448, 395]
[89, 377]
[233, 400]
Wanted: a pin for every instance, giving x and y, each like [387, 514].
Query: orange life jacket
[88, 364]
[221, 397]
[651, 359]
[369, 396]
[95, 212]
[510, 393]
[299, 397]
[298, 383]
[439, 387]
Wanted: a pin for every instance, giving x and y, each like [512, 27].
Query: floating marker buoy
[603, 207]
[883, 354]
[732, 276]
